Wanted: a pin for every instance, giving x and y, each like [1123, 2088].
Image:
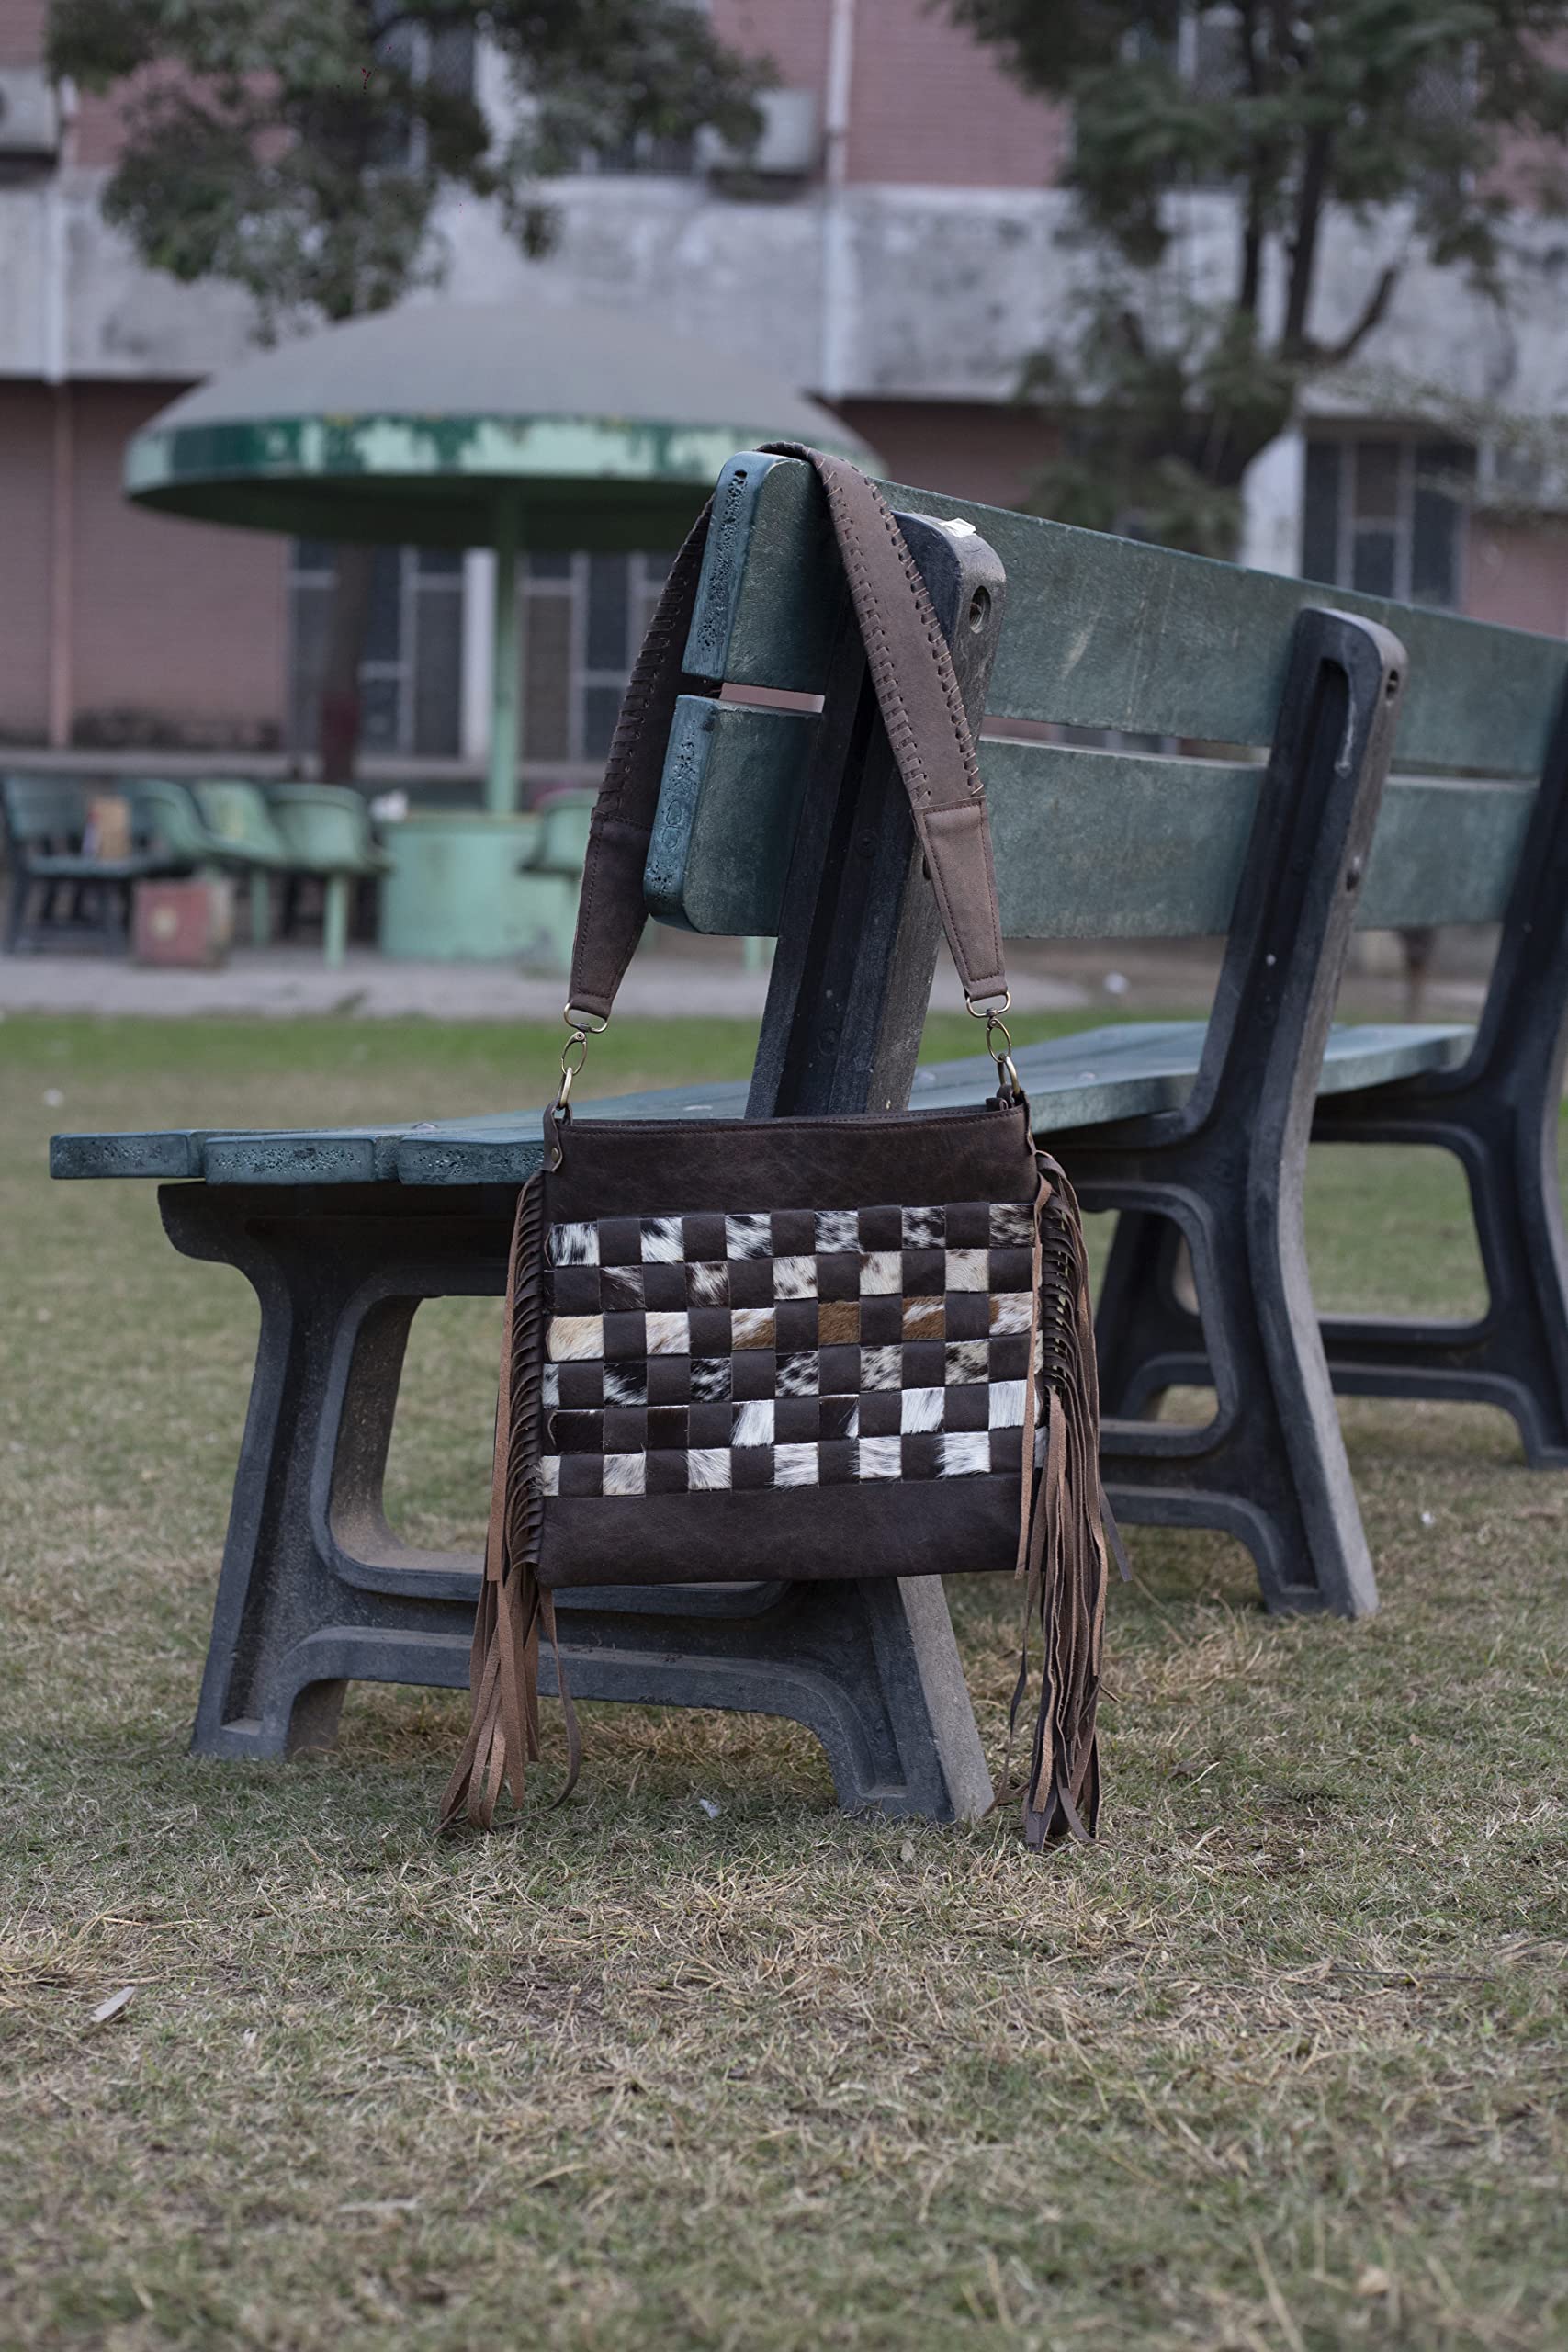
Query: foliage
[298, 147]
[1156, 428]
[1398, 111]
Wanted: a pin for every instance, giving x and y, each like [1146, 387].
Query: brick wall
[21, 44]
[21, 31]
[98, 133]
[181, 628]
[25, 440]
[965, 447]
[795, 37]
[1517, 574]
[929, 104]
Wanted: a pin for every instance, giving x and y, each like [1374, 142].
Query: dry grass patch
[1280, 2063]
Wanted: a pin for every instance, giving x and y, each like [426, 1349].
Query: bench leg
[317, 1592]
[1513, 1357]
[1141, 1319]
[1270, 1467]
[1516, 1355]
[1228, 1168]
[1500, 1115]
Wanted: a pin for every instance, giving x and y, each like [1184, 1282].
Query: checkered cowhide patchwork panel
[788, 1347]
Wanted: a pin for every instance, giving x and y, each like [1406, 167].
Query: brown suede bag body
[797, 1347]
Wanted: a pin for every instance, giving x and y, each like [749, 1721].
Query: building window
[1387, 516]
[584, 618]
[411, 672]
[644, 152]
[1200, 45]
[440, 60]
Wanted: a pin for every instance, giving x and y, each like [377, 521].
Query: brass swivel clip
[1000, 1053]
[581, 1026]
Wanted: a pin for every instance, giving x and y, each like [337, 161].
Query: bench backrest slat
[1089, 845]
[1109, 633]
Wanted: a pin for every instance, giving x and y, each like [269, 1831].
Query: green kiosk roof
[607, 431]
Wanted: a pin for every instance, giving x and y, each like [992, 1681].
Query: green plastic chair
[45, 823]
[326, 830]
[236, 811]
[173, 816]
[551, 875]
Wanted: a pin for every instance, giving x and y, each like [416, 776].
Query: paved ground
[663, 982]
[671, 977]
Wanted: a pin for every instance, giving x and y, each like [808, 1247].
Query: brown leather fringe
[503, 1670]
[1062, 1552]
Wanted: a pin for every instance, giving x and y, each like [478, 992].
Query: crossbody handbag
[797, 1347]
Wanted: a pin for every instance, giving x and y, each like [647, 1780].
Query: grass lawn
[1280, 2063]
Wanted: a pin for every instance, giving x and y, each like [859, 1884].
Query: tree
[298, 149]
[1394, 109]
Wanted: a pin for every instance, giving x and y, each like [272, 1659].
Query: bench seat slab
[1083, 1080]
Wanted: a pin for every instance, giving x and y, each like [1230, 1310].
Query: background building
[897, 246]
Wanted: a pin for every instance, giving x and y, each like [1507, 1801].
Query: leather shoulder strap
[922, 711]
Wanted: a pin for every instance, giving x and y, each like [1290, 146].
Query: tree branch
[1373, 312]
[1131, 327]
[1310, 200]
[1250, 286]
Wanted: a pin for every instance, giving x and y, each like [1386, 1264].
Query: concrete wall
[948, 289]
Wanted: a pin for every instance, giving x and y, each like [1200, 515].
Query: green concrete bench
[1081, 1081]
[1473, 828]
[791, 822]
